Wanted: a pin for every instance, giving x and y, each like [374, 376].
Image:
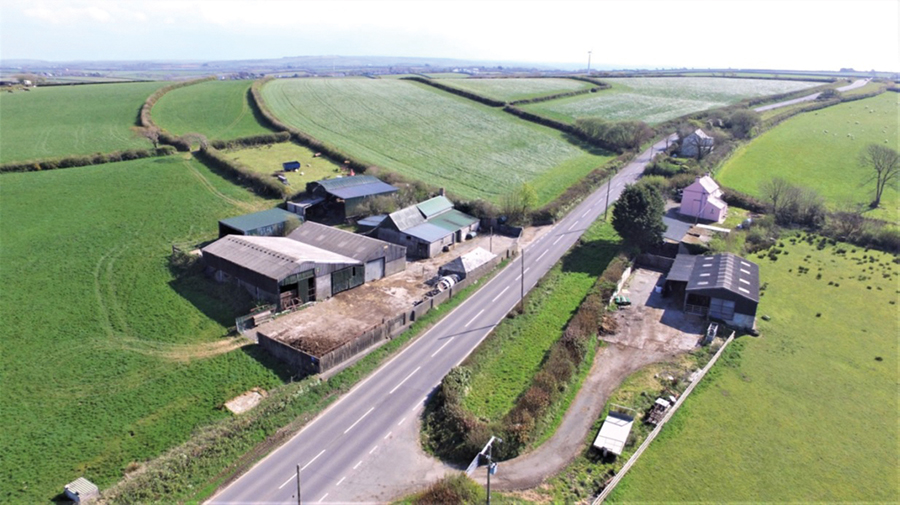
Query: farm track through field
[212, 189]
[244, 110]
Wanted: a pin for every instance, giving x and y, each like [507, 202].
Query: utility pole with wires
[589, 64]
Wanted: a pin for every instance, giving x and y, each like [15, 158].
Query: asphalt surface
[341, 440]
[853, 85]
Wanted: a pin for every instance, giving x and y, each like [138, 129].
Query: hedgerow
[456, 91]
[86, 160]
[146, 120]
[260, 183]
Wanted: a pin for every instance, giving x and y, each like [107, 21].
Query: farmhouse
[723, 287]
[425, 229]
[344, 196]
[703, 200]
[265, 223]
[696, 145]
[313, 263]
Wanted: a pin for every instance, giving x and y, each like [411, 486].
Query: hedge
[260, 183]
[456, 91]
[255, 140]
[146, 120]
[85, 160]
[556, 96]
[559, 125]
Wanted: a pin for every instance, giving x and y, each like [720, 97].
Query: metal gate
[375, 270]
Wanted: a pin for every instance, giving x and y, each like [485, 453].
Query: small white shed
[614, 433]
[82, 490]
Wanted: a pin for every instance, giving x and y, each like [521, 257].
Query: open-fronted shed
[346, 195]
[721, 286]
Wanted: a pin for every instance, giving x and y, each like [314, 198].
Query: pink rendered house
[703, 200]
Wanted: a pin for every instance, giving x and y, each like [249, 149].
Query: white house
[703, 200]
[697, 144]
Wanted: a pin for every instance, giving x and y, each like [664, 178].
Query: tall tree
[637, 216]
[885, 163]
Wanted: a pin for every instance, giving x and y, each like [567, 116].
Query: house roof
[434, 206]
[704, 184]
[452, 220]
[355, 187]
[352, 245]
[614, 433]
[273, 257]
[249, 222]
[428, 232]
[406, 218]
[702, 134]
[725, 271]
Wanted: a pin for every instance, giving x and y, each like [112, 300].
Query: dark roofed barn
[381, 259]
[266, 223]
[723, 287]
[345, 195]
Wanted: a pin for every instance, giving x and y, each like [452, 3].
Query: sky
[776, 34]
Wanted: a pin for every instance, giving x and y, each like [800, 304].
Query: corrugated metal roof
[361, 190]
[434, 206]
[82, 487]
[725, 271]
[249, 222]
[452, 220]
[614, 433]
[372, 221]
[273, 257]
[406, 218]
[358, 247]
[682, 268]
[428, 232]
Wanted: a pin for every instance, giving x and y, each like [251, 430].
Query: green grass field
[61, 121]
[268, 159]
[819, 150]
[805, 413]
[657, 99]
[504, 365]
[508, 89]
[217, 109]
[472, 150]
[109, 358]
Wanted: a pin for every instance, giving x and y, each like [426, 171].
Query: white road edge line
[401, 383]
[401, 421]
[357, 464]
[339, 482]
[501, 294]
[474, 318]
[557, 239]
[358, 420]
[441, 348]
[322, 498]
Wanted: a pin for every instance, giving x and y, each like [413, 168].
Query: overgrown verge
[218, 453]
[456, 488]
[524, 368]
[85, 160]
[456, 91]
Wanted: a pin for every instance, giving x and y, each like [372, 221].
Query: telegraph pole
[522, 296]
[299, 501]
[589, 64]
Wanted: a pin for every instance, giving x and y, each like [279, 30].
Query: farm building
[265, 223]
[81, 490]
[474, 262]
[703, 200]
[425, 229]
[696, 145]
[724, 287]
[343, 196]
[614, 433]
[314, 262]
[381, 259]
[291, 166]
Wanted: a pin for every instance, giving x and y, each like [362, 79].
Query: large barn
[723, 287]
[425, 229]
[344, 196]
[313, 263]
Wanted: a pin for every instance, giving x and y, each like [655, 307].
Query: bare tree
[774, 192]
[885, 162]
[150, 133]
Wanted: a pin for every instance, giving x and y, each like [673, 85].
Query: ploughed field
[219, 110]
[109, 357]
[519, 88]
[819, 150]
[658, 99]
[472, 150]
[807, 412]
[57, 121]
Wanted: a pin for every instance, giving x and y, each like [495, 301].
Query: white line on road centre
[474, 318]
[304, 468]
[286, 482]
[401, 421]
[342, 480]
[541, 256]
[585, 213]
[557, 239]
[389, 434]
[357, 465]
[573, 225]
[358, 420]
[373, 449]
[323, 498]
[445, 345]
[401, 382]
[501, 294]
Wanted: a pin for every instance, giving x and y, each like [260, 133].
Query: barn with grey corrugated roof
[380, 258]
[345, 196]
[426, 228]
[723, 287]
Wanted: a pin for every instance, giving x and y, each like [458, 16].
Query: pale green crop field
[217, 109]
[658, 99]
[510, 89]
[267, 160]
[819, 150]
[472, 150]
[57, 121]
[807, 412]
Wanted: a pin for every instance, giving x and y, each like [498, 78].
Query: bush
[618, 135]
[456, 488]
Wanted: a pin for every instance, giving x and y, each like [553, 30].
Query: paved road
[345, 437]
[853, 85]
